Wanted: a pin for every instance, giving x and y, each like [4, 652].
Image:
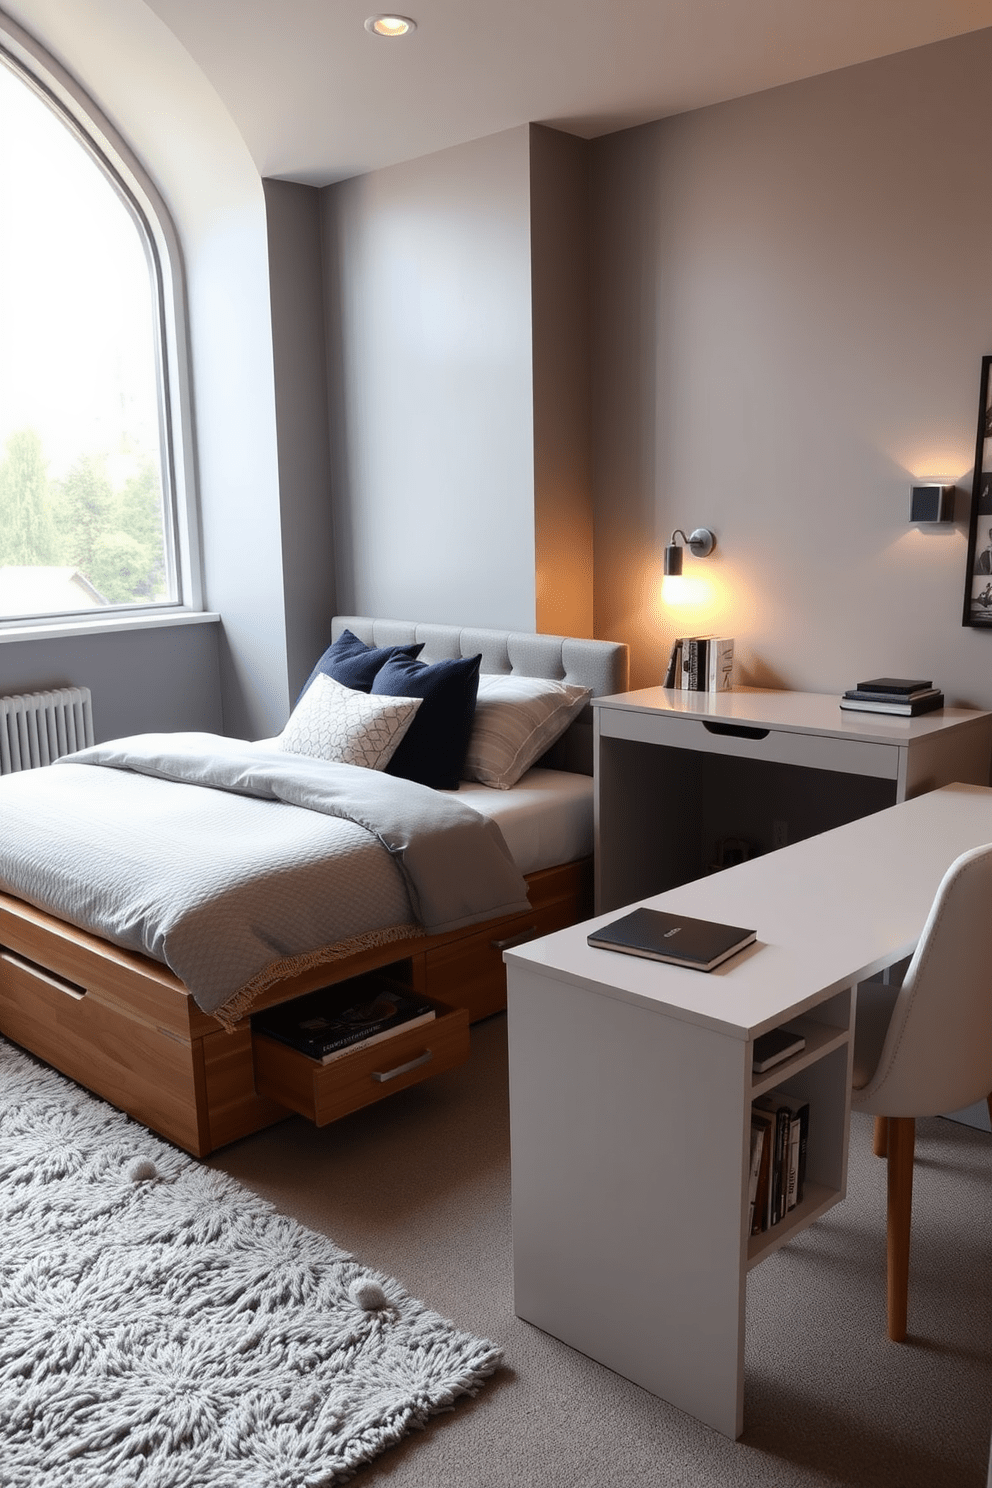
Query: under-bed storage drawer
[98, 1040]
[325, 1092]
[469, 972]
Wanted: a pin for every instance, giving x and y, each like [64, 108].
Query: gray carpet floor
[418, 1186]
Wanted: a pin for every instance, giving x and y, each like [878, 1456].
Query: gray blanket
[237, 864]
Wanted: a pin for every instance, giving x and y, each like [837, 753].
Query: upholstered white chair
[925, 1047]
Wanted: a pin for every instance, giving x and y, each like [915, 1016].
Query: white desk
[677, 771]
[631, 1089]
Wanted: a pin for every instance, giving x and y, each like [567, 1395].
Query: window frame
[58, 90]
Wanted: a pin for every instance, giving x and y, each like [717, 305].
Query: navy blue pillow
[432, 751]
[353, 664]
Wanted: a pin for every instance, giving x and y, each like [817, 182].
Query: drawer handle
[401, 1069]
[514, 940]
[69, 988]
[735, 730]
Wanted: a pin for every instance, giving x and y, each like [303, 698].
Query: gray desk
[677, 772]
[631, 1091]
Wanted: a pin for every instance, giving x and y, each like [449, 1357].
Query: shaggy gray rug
[163, 1327]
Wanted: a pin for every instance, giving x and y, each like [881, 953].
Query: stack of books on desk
[338, 1020]
[701, 664]
[905, 696]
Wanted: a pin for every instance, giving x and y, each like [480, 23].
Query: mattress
[547, 818]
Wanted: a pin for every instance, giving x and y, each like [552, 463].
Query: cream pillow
[516, 720]
[333, 722]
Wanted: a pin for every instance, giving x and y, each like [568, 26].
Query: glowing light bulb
[390, 25]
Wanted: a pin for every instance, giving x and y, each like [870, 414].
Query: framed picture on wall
[978, 579]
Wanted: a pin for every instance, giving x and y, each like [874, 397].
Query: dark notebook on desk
[676, 939]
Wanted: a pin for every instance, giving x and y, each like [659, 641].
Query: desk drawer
[325, 1092]
[779, 746]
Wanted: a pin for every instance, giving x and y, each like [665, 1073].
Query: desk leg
[628, 1158]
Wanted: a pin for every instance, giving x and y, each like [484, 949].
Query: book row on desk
[338, 1020]
[779, 1141]
[701, 664]
[904, 696]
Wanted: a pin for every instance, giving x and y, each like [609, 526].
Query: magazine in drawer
[324, 1092]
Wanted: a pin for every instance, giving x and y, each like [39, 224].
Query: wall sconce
[700, 543]
[931, 503]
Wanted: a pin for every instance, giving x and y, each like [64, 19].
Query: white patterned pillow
[516, 720]
[333, 722]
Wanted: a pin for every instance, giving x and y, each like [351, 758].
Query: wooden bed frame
[126, 1027]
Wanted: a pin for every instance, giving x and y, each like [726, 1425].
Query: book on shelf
[720, 663]
[798, 1108]
[791, 1115]
[341, 1019]
[673, 672]
[772, 1047]
[757, 1147]
[780, 1161]
[676, 939]
[701, 664]
[761, 1216]
[690, 663]
[910, 707]
[696, 660]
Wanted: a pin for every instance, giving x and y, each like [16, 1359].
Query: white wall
[792, 299]
[428, 300]
[160, 102]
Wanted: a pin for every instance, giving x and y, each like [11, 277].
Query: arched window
[89, 461]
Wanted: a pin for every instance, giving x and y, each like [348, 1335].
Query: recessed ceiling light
[390, 25]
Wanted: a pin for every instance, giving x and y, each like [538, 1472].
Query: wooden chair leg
[881, 1143]
[901, 1145]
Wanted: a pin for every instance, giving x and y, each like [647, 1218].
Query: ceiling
[317, 98]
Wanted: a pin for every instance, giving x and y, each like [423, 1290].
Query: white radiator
[37, 727]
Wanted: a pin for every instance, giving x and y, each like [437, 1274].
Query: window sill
[49, 630]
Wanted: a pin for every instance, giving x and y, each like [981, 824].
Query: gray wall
[427, 289]
[790, 304]
[142, 681]
[792, 299]
[295, 272]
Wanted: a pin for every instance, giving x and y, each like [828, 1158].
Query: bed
[126, 1026]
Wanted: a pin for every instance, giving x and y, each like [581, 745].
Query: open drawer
[325, 1092]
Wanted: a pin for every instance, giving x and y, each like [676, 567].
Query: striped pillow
[516, 720]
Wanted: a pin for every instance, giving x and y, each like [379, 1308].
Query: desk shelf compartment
[817, 1199]
[823, 1081]
[325, 1092]
[822, 1038]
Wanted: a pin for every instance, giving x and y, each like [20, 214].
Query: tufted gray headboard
[600, 665]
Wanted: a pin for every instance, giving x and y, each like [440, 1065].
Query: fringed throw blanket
[237, 865]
